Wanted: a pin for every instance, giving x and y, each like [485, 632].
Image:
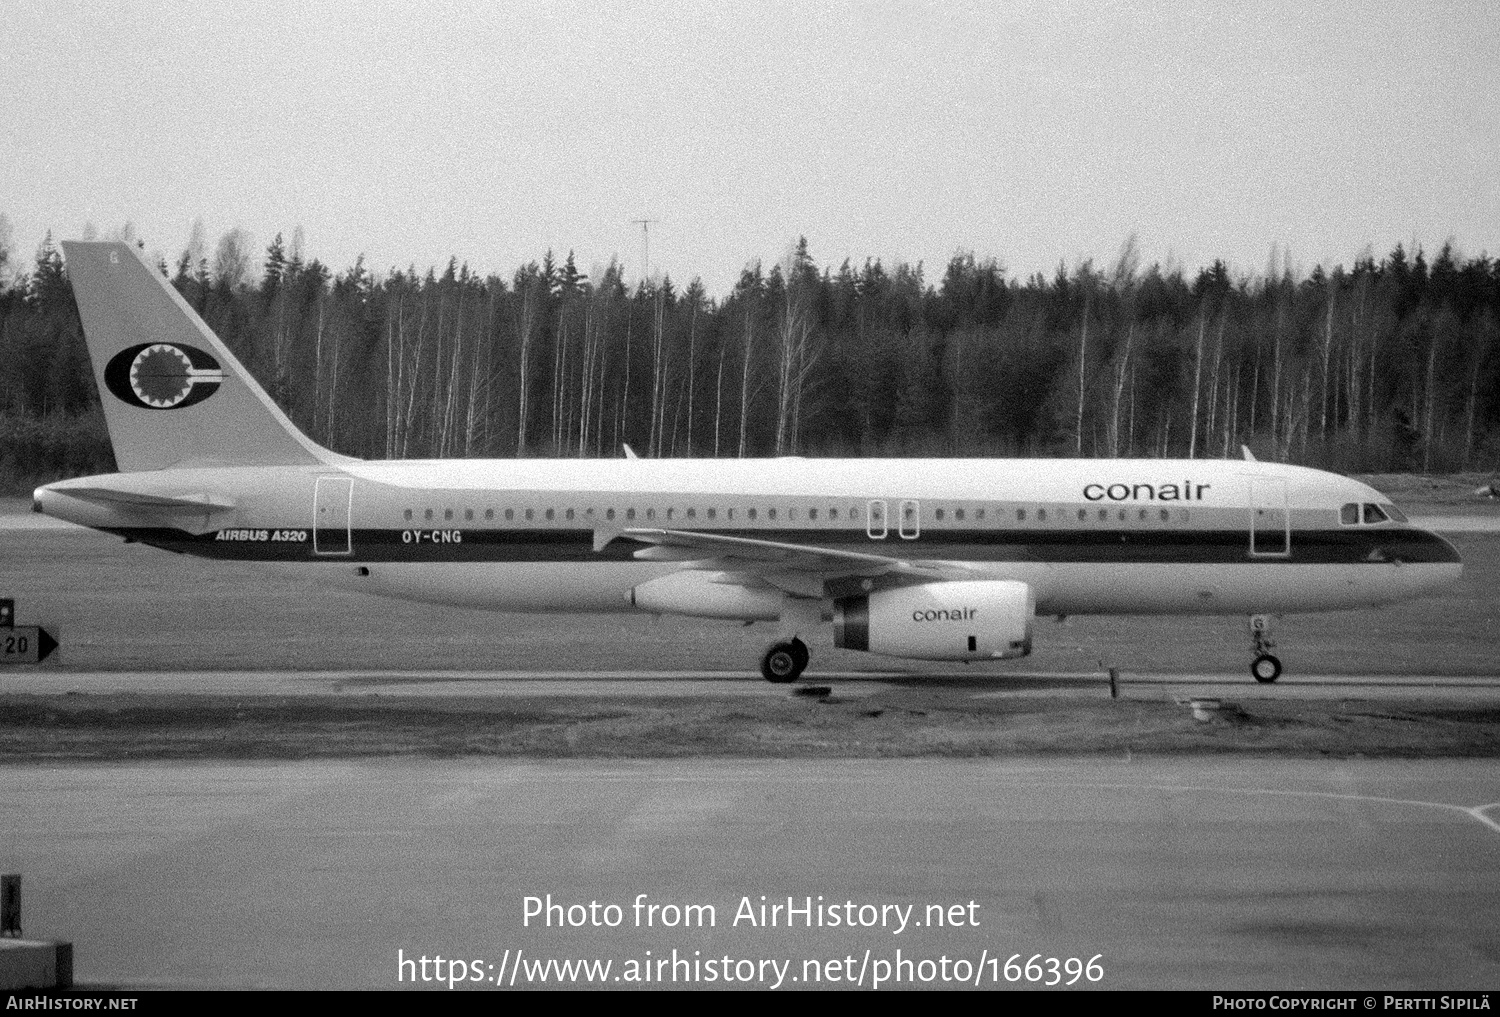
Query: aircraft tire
[782, 663]
[800, 651]
[1265, 668]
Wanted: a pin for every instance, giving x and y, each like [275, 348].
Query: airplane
[923, 559]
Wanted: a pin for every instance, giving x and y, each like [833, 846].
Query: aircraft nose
[1447, 553]
[1420, 546]
[1446, 566]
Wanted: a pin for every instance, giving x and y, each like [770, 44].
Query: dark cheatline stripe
[1309, 547]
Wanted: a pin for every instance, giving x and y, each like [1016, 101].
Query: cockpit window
[1373, 514]
[1397, 516]
[1349, 514]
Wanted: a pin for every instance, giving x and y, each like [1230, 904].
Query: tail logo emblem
[162, 376]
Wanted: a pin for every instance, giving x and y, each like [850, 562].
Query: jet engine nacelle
[967, 620]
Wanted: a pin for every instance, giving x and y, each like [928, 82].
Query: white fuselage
[1088, 536]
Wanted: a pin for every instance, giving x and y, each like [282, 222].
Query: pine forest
[1388, 364]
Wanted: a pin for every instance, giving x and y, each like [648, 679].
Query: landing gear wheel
[1265, 668]
[784, 662]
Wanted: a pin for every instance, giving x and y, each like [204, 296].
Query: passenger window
[468, 515]
[812, 515]
[770, 513]
[510, 514]
[1104, 515]
[530, 514]
[1082, 515]
[729, 514]
[630, 513]
[1041, 515]
[549, 514]
[752, 513]
[651, 513]
[833, 515]
[669, 513]
[408, 514]
[1373, 514]
[489, 513]
[712, 513]
[692, 513]
[939, 515]
[1349, 514]
[1143, 515]
[1020, 515]
[569, 513]
[427, 515]
[609, 513]
[958, 514]
[1165, 515]
[979, 514]
[447, 514]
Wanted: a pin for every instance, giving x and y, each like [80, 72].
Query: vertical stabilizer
[173, 394]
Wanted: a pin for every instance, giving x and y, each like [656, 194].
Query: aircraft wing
[803, 570]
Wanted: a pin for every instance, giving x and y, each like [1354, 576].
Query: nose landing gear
[784, 662]
[1265, 668]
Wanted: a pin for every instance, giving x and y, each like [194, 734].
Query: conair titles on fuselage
[1186, 491]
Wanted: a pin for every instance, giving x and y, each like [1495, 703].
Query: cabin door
[331, 515]
[1270, 518]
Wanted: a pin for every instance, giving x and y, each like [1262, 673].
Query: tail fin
[173, 394]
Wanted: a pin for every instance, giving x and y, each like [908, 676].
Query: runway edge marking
[1472, 811]
[1478, 812]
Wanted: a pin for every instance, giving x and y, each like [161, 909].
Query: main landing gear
[784, 662]
[1265, 668]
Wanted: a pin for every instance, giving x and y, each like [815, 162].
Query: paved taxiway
[1207, 873]
[1202, 872]
[45, 681]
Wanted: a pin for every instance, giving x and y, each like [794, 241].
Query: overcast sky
[1027, 132]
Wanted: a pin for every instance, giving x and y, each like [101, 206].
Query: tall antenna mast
[645, 225]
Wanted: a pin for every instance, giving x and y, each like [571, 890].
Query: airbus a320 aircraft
[924, 559]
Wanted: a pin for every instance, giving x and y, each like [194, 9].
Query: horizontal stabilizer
[137, 499]
[193, 502]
